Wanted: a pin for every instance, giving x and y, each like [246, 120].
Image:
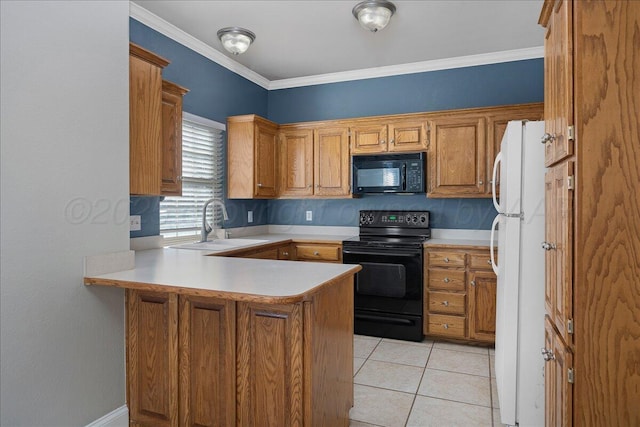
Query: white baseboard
[117, 418]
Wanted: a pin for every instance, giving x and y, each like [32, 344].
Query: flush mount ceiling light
[374, 15]
[235, 39]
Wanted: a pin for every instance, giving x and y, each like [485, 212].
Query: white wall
[64, 195]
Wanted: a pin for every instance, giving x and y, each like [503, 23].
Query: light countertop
[192, 272]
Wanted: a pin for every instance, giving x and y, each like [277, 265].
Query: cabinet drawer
[480, 261]
[446, 259]
[318, 253]
[449, 303]
[450, 326]
[453, 280]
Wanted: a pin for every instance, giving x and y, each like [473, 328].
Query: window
[202, 179]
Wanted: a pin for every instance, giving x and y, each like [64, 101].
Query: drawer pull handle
[445, 326]
[445, 303]
[446, 259]
[285, 253]
[316, 253]
[446, 280]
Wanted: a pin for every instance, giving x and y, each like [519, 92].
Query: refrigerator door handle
[493, 180]
[494, 266]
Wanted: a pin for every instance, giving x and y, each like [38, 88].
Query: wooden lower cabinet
[205, 361]
[460, 294]
[321, 252]
[558, 373]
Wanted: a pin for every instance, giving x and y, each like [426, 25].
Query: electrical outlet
[135, 223]
[249, 217]
[309, 216]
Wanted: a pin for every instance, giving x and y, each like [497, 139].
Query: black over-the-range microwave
[389, 173]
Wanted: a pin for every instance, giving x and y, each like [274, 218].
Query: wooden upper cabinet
[251, 157]
[296, 162]
[391, 135]
[155, 126]
[331, 162]
[457, 156]
[172, 138]
[556, 17]
[145, 120]
[407, 135]
[314, 162]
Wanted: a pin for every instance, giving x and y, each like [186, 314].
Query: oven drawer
[452, 280]
[310, 252]
[480, 261]
[450, 326]
[446, 259]
[449, 303]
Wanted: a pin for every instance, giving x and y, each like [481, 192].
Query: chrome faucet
[206, 228]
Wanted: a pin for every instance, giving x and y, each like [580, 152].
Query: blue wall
[216, 93]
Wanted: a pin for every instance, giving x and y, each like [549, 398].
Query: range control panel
[405, 219]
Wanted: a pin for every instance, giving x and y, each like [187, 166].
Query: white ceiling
[298, 39]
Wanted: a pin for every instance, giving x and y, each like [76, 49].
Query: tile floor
[420, 384]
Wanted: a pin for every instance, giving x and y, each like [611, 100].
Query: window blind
[202, 179]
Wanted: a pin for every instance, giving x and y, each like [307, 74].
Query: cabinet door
[152, 358]
[558, 239]
[457, 157]
[557, 383]
[496, 126]
[368, 138]
[558, 82]
[482, 305]
[145, 127]
[270, 365]
[265, 160]
[407, 135]
[172, 138]
[331, 158]
[207, 362]
[296, 163]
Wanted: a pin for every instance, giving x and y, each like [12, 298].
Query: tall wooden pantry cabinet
[592, 141]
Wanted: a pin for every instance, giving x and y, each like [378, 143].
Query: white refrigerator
[519, 367]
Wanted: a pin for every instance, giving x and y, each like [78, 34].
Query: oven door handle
[382, 252]
[384, 319]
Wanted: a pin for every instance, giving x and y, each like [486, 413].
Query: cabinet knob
[393, 141]
[382, 142]
[547, 355]
[285, 253]
[445, 326]
[179, 177]
[446, 259]
[548, 246]
[480, 182]
[446, 280]
[489, 261]
[445, 303]
[316, 253]
[259, 185]
[547, 137]
[473, 283]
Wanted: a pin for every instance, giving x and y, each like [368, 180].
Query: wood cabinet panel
[296, 163]
[251, 157]
[152, 358]
[407, 135]
[457, 157]
[145, 123]
[558, 386]
[207, 361]
[368, 138]
[446, 302]
[447, 259]
[269, 381]
[331, 162]
[318, 252]
[446, 326]
[171, 175]
[482, 305]
[453, 280]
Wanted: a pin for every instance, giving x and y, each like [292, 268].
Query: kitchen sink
[220, 244]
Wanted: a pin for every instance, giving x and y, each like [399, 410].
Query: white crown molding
[411, 68]
[163, 27]
[155, 22]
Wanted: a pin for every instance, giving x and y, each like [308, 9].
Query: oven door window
[375, 280]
